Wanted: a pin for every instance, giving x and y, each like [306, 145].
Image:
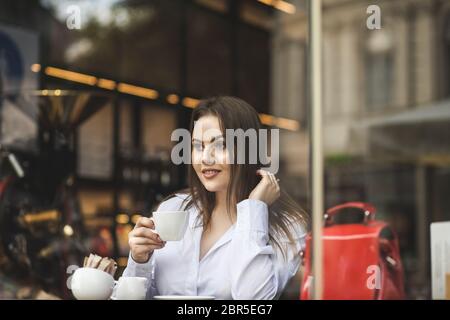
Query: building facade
[386, 103]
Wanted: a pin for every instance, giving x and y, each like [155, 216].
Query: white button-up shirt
[242, 264]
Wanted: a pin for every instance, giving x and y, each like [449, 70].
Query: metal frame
[315, 76]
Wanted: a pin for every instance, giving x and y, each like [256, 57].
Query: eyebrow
[212, 139]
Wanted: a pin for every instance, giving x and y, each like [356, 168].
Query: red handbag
[361, 258]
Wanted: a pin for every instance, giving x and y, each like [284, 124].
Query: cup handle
[113, 295]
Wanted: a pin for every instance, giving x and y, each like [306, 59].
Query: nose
[208, 156]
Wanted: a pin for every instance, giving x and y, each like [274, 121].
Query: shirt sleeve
[257, 269]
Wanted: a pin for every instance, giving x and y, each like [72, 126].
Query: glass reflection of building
[387, 114]
[386, 109]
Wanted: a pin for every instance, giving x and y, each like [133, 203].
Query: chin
[213, 187]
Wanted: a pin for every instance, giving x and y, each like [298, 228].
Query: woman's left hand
[267, 190]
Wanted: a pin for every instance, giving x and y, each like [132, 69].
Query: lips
[210, 173]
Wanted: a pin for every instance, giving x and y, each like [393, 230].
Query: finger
[142, 232]
[276, 184]
[277, 181]
[154, 223]
[261, 172]
[154, 229]
[143, 248]
[156, 232]
[265, 176]
[266, 181]
[146, 233]
[142, 241]
[146, 248]
[272, 179]
[156, 246]
[145, 222]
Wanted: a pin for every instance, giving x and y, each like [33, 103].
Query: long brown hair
[234, 113]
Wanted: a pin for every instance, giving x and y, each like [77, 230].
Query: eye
[220, 145]
[197, 146]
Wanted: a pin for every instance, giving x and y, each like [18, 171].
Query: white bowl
[91, 284]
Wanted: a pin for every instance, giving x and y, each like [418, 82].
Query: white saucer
[183, 298]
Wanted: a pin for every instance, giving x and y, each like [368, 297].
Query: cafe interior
[90, 92]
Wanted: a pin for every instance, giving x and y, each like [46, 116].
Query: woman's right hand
[267, 190]
[143, 240]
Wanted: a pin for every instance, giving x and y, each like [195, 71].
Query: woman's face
[210, 158]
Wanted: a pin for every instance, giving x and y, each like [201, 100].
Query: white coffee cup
[171, 225]
[91, 284]
[130, 288]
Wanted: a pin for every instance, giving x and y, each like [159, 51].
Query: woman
[243, 239]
